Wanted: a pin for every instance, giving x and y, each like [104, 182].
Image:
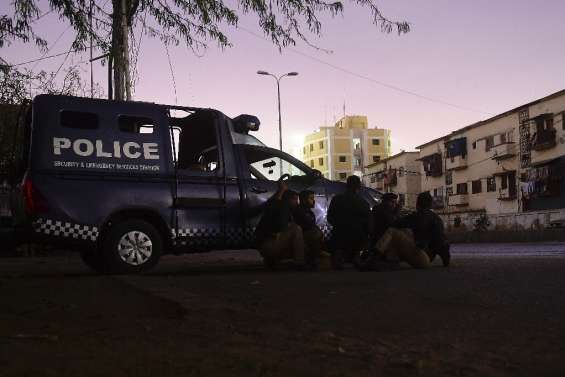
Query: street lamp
[265, 73]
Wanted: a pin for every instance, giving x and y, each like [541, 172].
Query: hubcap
[135, 248]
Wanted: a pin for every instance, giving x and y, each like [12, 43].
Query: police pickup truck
[131, 181]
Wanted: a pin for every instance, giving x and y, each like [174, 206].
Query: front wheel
[132, 246]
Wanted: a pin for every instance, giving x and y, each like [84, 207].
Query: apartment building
[399, 174]
[510, 163]
[346, 148]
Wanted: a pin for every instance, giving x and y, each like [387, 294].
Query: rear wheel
[132, 246]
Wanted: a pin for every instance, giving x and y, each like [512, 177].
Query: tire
[132, 246]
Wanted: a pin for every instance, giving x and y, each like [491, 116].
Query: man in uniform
[313, 236]
[349, 216]
[416, 238]
[277, 236]
[384, 214]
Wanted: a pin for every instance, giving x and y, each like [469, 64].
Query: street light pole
[278, 79]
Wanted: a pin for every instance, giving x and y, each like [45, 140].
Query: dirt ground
[493, 313]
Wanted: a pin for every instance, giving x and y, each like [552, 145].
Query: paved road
[496, 312]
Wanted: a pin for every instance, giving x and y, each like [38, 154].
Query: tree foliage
[194, 22]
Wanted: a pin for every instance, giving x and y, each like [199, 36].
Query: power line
[49, 57]
[44, 14]
[60, 66]
[370, 79]
[53, 45]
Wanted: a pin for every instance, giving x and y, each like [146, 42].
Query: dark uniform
[427, 228]
[313, 236]
[384, 214]
[277, 236]
[349, 216]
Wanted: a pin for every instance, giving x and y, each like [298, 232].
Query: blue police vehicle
[132, 181]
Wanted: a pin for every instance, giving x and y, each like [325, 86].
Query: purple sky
[485, 55]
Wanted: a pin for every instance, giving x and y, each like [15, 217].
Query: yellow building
[346, 148]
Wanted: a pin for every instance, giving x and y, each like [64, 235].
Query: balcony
[545, 139]
[506, 194]
[456, 162]
[459, 200]
[504, 151]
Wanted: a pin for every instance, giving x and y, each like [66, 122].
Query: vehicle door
[199, 196]
[263, 167]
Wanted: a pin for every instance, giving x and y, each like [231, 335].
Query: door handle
[258, 190]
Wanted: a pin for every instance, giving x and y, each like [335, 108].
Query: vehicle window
[136, 125]
[195, 143]
[79, 119]
[265, 165]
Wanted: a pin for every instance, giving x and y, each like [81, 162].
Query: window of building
[456, 147]
[356, 143]
[488, 143]
[342, 176]
[376, 142]
[433, 165]
[504, 181]
[135, 125]
[304, 150]
[342, 158]
[544, 123]
[491, 184]
[321, 144]
[321, 161]
[401, 171]
[376, 158]
[448, 177]
[461, 188]
[474, 145]
[373, 178]
[563, 120]
[311, 147]
[389, 143]
[79, 119]
[438, 192]
[311, 163]
[476, 186]
[449, 191]
[357, 162]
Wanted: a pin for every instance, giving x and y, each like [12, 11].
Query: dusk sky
[484, 56]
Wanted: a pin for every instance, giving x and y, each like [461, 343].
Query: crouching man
[278, 237]
[416, 238]
[313, 236]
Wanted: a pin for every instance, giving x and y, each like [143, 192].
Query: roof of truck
[117, 102]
